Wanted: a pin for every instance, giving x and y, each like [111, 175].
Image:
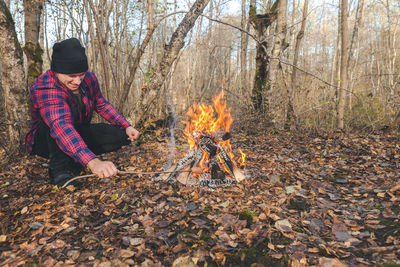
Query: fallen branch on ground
[119, 172]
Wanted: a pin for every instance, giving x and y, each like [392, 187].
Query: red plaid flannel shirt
[51, 102]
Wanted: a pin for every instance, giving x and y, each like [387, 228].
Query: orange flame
[241, 159]
[206, 119]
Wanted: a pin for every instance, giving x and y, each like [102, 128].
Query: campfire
[210, 161]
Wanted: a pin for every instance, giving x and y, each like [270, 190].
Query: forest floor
[307, 200]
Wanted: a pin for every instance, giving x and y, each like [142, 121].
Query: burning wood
[210, 159]
[219, 165]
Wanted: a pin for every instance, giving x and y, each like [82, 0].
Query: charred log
[220, 136]
[215, 169]
[225, 159]
[208, 145]
[217, 183]
[186, 160]
[173, 171]
[197, 157]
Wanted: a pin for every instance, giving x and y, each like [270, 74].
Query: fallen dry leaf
[330, 262]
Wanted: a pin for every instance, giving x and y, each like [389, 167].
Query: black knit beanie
[69, 57]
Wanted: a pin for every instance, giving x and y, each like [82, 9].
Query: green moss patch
[248, 256]
[248, 216]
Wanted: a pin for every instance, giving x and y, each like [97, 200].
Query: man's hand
[132, 133]
[103, 169]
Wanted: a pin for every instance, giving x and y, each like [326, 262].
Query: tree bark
[299, 37]
[243, 48]
[13, 82]
[279, 44]
[260, 23]
[92, 63]
[33, 51]
[357, 25]
[152, 91]
[335, 73]
[343, 65]
[391, 49]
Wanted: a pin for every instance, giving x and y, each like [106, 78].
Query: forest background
[286, 64]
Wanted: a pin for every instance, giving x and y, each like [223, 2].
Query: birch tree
[357, 25]
[279, 44]
[260, 23]
[343, 65]
[244, 39]
[32, 49]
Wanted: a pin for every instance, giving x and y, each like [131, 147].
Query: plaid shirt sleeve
[56, 113]
[105, 109]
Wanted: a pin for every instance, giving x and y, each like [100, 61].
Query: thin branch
[314, 76]
[119, 172]
[233, 26]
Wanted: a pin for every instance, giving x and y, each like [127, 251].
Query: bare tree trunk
[261, 23]
[13, 81]
[357, 26]
[290, 116]
[92, 63]
[299, 37]
[101, 15]
[32, 49]
[343, 66]
[46, 40]
[391, 49]
[139, 54]
[335, 69]
[171, 51]
[243, 48]
[336, 62]
[279, 44]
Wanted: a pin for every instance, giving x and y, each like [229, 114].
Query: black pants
[100, 138]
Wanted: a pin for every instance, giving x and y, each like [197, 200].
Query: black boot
[60, 170]
[76, 168]
[59, 179]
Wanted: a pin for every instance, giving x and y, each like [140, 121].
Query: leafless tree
[357, 25]
[279, 44]
[32, 49]
[152, 90]
[290, 110]
[139, 54]
[343, 65]
[261, 23]
[244, 46]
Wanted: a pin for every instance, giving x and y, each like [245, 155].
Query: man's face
[71, 81]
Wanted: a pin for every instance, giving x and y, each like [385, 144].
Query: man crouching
[62, 102]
